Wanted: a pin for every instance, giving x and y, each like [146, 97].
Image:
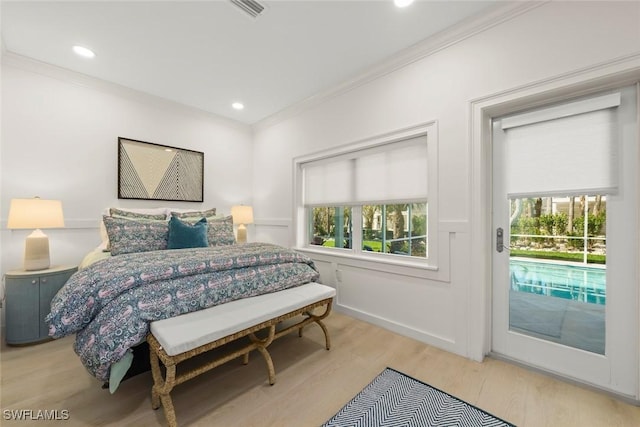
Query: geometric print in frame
[158, 172]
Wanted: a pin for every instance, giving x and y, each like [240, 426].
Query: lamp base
[242, 234]
[36, 251]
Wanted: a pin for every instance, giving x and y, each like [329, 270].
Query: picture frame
[149, 171]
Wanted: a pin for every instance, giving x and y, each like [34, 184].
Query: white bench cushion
[192, 330]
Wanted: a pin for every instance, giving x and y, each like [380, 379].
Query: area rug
[395, 399]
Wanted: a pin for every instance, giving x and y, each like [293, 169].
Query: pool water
[576, 282]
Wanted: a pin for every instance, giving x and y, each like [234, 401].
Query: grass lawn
[560, 256]
[373, 244]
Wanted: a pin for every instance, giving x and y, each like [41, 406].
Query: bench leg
[271, 370]
[161, 389]
[165, 398]
[327, 340]
[157, 379]
[318, 319]
[261, 346]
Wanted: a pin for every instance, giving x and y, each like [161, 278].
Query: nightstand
[28, 301]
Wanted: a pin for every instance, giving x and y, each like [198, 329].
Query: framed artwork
[148, 171]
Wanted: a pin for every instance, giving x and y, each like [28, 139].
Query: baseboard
[407, 331]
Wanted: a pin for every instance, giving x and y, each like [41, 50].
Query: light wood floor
[312, 384]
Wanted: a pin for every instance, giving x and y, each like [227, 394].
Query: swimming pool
[576, 282]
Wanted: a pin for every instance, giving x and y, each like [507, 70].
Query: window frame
[301, 215]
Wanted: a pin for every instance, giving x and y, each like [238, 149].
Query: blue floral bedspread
[110, 304]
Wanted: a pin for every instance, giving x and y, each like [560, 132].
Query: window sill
[377, 263]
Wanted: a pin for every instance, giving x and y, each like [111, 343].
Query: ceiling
[209, 54]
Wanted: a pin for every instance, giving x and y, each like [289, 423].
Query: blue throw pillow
[184, 235]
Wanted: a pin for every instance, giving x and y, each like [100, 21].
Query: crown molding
[24, 63]
[446, 38]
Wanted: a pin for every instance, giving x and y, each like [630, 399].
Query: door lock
[499, 239]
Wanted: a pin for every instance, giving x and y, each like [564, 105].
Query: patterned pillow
[141, 216]
[195, 214]
[119, 213]
[127, 236]
[220, 230]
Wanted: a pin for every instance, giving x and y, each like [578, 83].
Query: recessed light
[83, 51]
[402, 3]
[238, 105]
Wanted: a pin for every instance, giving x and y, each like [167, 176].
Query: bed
[152, 269]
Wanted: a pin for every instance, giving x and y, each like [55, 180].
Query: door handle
[499, 239]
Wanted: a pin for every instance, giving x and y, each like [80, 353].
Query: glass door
[557, 269]
[565, 287]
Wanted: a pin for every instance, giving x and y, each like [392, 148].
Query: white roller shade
[399, 174]
[328, 183]
[388, 173]
[575, 154]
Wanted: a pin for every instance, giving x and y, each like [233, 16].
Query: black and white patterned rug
[395, 399]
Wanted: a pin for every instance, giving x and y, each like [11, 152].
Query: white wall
[548, 41]
[59, 140]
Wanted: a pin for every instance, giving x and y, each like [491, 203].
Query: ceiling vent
[250, 7]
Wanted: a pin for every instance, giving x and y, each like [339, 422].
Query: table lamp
[35, 214]
[242, 215]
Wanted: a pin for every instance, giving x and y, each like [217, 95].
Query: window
[330, 227]
[370, 199]
[399, 229]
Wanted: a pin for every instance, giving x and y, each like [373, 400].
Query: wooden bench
[177, 339]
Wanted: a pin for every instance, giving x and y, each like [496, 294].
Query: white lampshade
[242, 215]
[35, 214]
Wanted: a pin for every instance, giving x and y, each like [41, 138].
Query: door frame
[624, 71]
